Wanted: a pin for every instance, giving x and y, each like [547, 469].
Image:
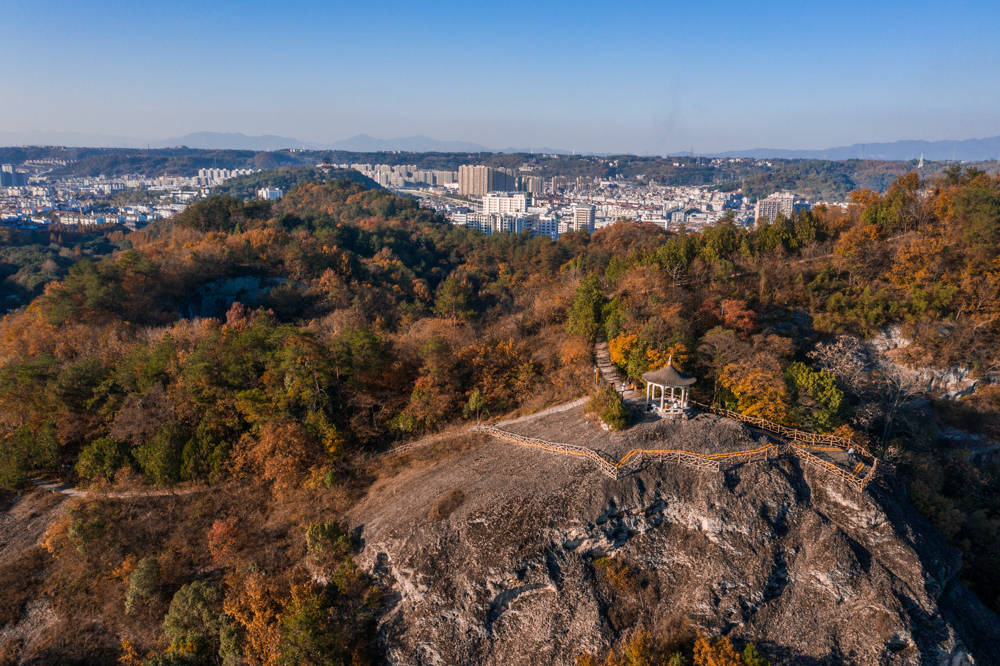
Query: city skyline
[584, 77]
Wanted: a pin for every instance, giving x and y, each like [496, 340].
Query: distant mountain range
[361, 143]
[970, 150]
[231, 141]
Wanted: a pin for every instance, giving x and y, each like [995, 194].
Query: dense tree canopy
[274, 342]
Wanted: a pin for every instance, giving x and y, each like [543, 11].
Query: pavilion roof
[668, 376]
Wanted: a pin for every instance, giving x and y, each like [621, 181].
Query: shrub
[143, 583]
[88, 523]
[608, 407]
[677, 659]
[818, 398]
[13, 468]
[101, 459]
[194, 619]
[617, 574]
[328, 541]
[25, 450]
[717, 653]
[231, 637]
[751, 657]
[585, 315]
[160, 456]
[309, 633]
[223, 540]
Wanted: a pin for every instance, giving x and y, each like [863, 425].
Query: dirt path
[71, 491]
[545, 412]
[464, 429]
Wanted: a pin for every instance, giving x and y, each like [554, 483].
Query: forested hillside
[29, 259]
[272, 345]
[180, 161]
[287, 178]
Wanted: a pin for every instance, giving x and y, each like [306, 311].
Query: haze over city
[585, 77]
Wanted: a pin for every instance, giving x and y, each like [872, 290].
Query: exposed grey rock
[947, 383]
[812, 571]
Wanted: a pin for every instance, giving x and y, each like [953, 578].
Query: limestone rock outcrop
[513, 571]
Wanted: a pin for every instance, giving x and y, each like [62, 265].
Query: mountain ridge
[986, 148]
[970, 150]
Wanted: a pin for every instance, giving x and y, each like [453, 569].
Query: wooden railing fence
[787, 432]
[797, 442]
[633, 459]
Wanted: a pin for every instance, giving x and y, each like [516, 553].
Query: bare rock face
[493, 555]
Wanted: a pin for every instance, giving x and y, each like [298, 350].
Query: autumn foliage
[272, 346]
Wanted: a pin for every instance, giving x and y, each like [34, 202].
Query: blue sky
[610, 76]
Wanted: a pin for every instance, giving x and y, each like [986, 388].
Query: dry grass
[19, 581]
[450, 443]
[93, 542]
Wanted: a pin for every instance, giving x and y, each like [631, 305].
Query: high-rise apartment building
[9, 177]
[545, 226]
[581, 218]
[786, 203]
[531, 184]
[478, 179]
[472, 179]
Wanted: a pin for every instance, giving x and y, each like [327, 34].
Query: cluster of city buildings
[133, 217]
[33, 200]
[478, 180]
[516, 212]
[469, 180]
[486, 198]
[405, 175]
[213, 177]
[500, 200]
[43, 204]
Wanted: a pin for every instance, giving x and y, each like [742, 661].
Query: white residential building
[505, 202]
[270, 193]
[495, 223]
[581, 218]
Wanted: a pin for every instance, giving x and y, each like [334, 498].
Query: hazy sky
[611, 76]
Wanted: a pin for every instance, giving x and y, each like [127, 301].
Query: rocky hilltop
[500, 554]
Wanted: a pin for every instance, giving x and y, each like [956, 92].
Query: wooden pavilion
[657, 383]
